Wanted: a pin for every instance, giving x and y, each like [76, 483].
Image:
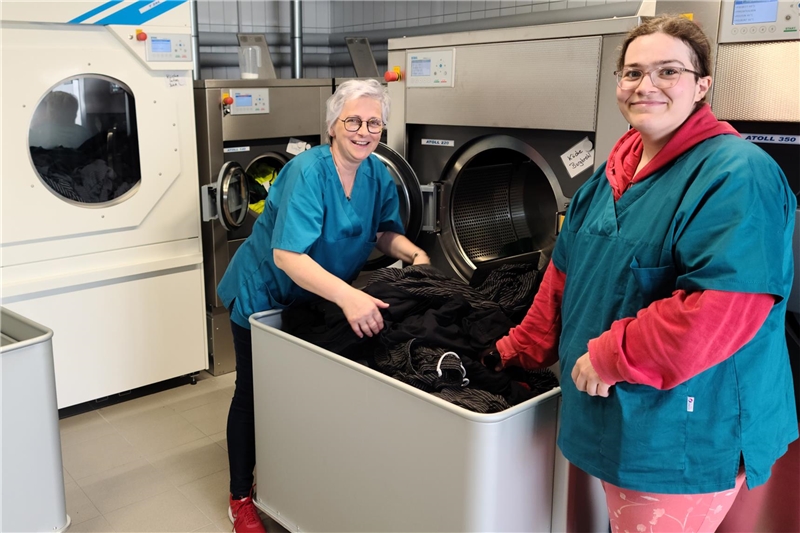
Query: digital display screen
[755, 11]
[420, 67]
[243, 100]
[161, 45]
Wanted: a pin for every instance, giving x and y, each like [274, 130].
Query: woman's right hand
[363, 312]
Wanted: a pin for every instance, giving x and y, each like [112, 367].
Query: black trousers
[241, 422]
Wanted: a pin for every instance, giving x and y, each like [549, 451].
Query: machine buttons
[140, 35]
[735, 31]
[772, 29]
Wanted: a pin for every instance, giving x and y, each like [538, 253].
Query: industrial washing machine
[100, 213]
[247, 130]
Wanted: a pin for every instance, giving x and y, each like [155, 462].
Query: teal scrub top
[719, 217]
[307, 212]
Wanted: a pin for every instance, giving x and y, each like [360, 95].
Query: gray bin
[341, 447]
[33, 479]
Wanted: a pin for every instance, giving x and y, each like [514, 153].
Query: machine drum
[503, 212]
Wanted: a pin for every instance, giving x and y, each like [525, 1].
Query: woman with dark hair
[327, 210]
[665, 301]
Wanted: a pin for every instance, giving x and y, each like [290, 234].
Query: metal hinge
[430, 207]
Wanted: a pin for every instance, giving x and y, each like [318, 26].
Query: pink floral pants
[632, 511]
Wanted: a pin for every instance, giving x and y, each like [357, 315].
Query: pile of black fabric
[83, 174]
[434, 331]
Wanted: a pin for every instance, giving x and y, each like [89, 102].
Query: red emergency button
[227, 100]
[140, 35]
[393, 75]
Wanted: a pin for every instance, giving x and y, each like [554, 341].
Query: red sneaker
[244, 515]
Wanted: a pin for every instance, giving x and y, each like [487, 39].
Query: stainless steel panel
[525, 33]
[758, 82]
[222, 358]
[545, 85]
[226, 83]
[611, 125]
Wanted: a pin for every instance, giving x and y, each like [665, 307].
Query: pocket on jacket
[654, 283]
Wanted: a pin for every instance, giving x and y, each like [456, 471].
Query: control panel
[168, 47]
[759, 20]
[431, 68]
[249, 101]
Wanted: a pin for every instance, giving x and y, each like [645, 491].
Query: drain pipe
[195, 43]
[297, 38]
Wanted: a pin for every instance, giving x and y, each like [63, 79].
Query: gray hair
[351, 90]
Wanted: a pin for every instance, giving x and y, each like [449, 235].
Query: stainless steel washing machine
[494, 151]
[246, 132]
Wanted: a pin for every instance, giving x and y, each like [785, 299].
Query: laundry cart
[32, 478]
[341, 447]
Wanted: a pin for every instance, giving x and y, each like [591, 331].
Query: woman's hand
[420, 258]
[363, 313]
[586, 378]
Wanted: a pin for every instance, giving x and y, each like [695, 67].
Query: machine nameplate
[769, 138]
[236, 149]
[437, 142]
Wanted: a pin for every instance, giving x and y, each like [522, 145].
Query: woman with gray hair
[327, 210]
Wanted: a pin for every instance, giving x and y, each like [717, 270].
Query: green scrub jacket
[307, 212]
[720, 217]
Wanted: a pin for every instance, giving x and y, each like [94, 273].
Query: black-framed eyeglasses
[662, 77]
[374, 125]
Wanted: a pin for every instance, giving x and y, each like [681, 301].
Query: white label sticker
[175, 80]
[579, 158]
[690, 403]
[437, 142]
[151, 5]
[771, 138]
[236, 149]
[296, 146]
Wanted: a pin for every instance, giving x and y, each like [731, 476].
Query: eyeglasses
[662, 77]
[374, 125]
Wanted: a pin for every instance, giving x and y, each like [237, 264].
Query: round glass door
[233, 195]
[83, 141]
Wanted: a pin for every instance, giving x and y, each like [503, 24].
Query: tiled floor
[155, 463]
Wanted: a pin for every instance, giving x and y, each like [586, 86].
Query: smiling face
[350, 148]
[657, 113]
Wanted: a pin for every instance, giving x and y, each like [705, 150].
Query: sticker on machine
[296, 146]
[579, 158]
[235, 149]
[437, 142]
[771, 138]
[150, 6]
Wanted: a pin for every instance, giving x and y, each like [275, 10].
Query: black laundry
[430, 314]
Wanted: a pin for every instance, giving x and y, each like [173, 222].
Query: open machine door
[411, 201]
[228, 199]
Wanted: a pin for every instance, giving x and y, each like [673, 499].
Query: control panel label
[236, 149]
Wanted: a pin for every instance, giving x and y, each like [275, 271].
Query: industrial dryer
[247, 130]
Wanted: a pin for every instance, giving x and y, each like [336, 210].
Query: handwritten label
[175, 80]
[296, 146]
[437, 142]
[579, 158]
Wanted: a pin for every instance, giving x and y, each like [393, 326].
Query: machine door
[499, 199]
[411, 204]
[228, 199]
